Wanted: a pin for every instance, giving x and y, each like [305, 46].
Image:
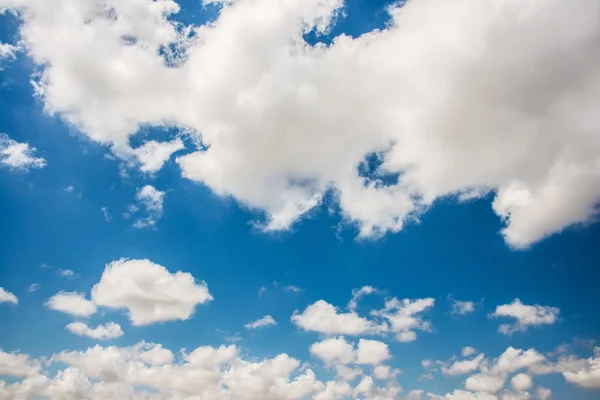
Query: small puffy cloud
[265, 321]
[7, 297]
[72, 303]
[152, 200]
[262, 291]
[462, 307]
[521, 382]
[152, 155]
[323, 317]
[335, 390]
[106, 214]
[372, 352]
[67, 273]
[468, 351]
[515, 359]
[110, 330]
[543, 393]
[292, 289]
[18, 156]
[149, 292]
[525, 316]
[404, 317]
[464, 366]
[485, 382]
[334, 351]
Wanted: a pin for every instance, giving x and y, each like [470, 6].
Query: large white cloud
[445, 87]
[149, 292]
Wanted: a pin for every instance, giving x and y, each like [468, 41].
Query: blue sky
[262, 201]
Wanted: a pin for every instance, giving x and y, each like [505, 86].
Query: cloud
[543, 393]
[372, 352]
[152, 199]
[464, 366]
[152, 155]
[67, 273]
[404, 317]
[110, 330]
[7, 52]
[462, 307]
[468, 351]
[589, 375]
[323, 317]
[18, 156]
[525, 316]
[528, 133]
[521, 382]
[334, 351]
[7, 297]
[72, 303]
[17, 365]
[357, 294]
[149, 292]
[292, 289]
[33, 287]
[106, 214]
[265, 321]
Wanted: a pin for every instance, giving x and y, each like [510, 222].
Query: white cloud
[324, 318]
[525, 316]
[149, 292]
[462, 307]
[67, 273]
[17, 365]
[152, 155]
[464, 366]
[404, 317]
[72, 303]
[33, 287]
[110, 330]
[292, 288]
[334, 351]
[589, 375]
[7, 297]
[263, 322]
[152, 200]
[372, 352]
[18, 156]
[521, 382]
[357, 294]
[543, 393]
[468, 351]
[261, 291]
[7, 52]
[528, 133]
[106, 214]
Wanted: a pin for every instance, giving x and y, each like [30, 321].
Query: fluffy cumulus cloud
[401, 318]
[109, 330]
[152, 155]
[525, 316]
[18, 156]
[149, 292]
[462, 307]
[449, 85]
[7, 52]
[588, 374]
[72, 303]
[263, 322]
[7, 297]
[464, 366]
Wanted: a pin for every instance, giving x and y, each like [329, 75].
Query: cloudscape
[299, 199]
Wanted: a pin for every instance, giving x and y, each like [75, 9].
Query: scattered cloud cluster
[18, 156]
[150, 371]
[449, 85]
[402, 318]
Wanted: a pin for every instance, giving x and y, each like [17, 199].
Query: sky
[299, 199]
